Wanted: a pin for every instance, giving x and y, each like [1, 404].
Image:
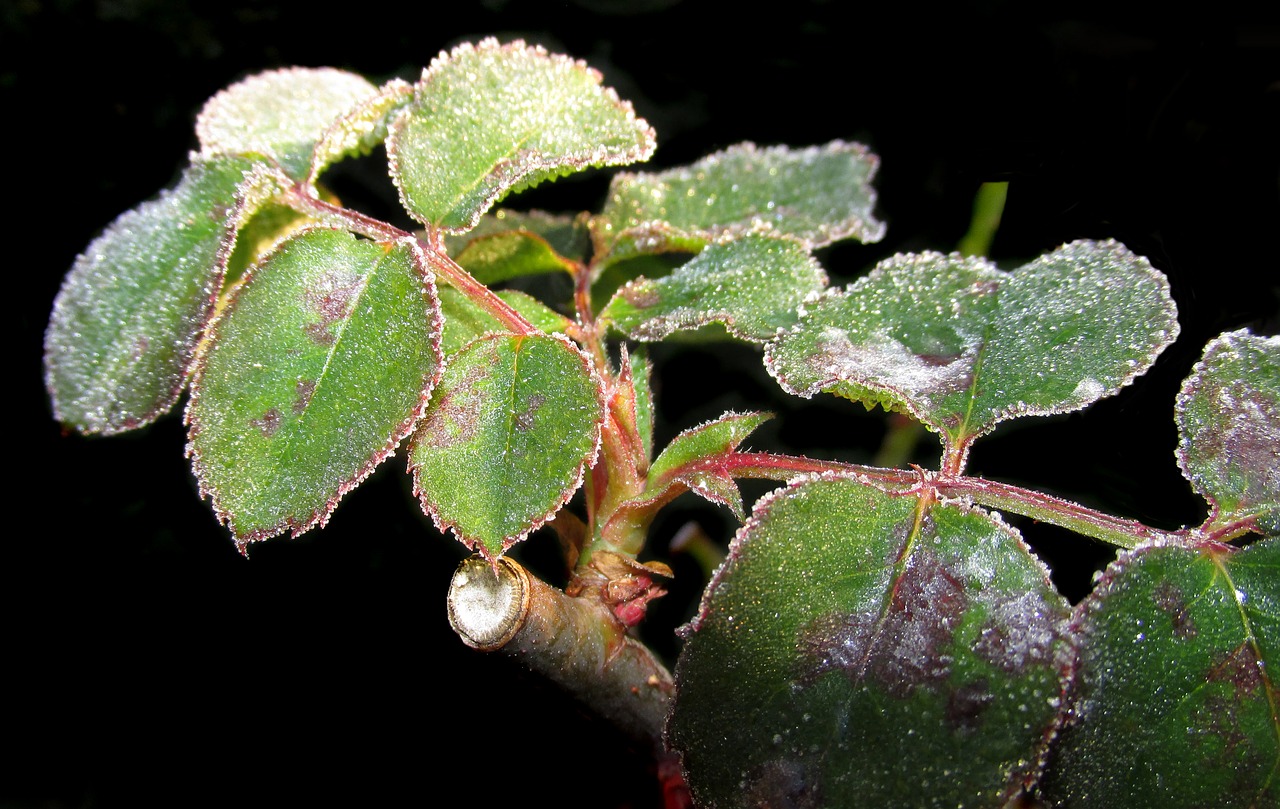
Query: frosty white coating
[279, 113]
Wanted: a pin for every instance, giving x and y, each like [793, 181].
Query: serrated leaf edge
[477, 243]
[730, 417]
[508, 295]
[476, 544]
[212, 107]
[1066, 655]
[319, 517]
[875, 388]
[655, 493]
[1143, 266]
[673, 238]
[1079, 622]
[517, 174]
[338, 142]
[1227, 341]
[759, 512]
[233, 219]
[660, 327]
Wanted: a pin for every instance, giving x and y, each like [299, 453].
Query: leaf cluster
[877, 635]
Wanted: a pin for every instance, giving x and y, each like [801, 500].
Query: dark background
[144, 662]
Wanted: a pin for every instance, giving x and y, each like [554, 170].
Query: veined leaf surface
[753, 285]
[508, 244]
[510, 430]
[1175, 702]
[962, 345]
[319, 366]
[464, 320]
[490, 119]
[126, 322]
[641, 369]
[859, 649]
[816, 195]
[705, 442]
[280, 113]
[361, 128]
[1229, 419]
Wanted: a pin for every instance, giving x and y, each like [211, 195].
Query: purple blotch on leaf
[901, 650]
[1215, 725]
[455, 418]
[305, 388]
[1240, 668]
[1173, 604]
[967, 703]
[331, 300]
[783, 784]
[524, 421]
[1018, 633]
[269, 423]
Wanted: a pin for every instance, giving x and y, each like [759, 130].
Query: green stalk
[988, 208]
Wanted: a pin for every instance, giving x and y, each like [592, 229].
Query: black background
[144, 662]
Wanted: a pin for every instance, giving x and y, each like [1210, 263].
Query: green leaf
[963, 346]
[510, 430]
[1228, 415]
[464, 320]
[857, 649]
[817, 195]
[508, 244]
[262, 234]
[127, 320]
[490, 119]
[361, 128]
[606, 283]
[504, 256]
[641, 372]
[706, 442]
[281, 114]
[319, 366]
[753, 285]
[1175, 700]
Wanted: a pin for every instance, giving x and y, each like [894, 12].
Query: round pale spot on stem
[488, 605]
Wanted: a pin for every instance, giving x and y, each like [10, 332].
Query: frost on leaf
[1174, 699]
[690, 459]
[816, 195]
[465, 320]
[962, 345]
[637, 376]
[508, 244]
[1228, 416]
[127, 319]
[488, 120]
[361, 128]
[317, 368]
[754, 285]
[510, 430]
[873, 649]
[280, 114]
